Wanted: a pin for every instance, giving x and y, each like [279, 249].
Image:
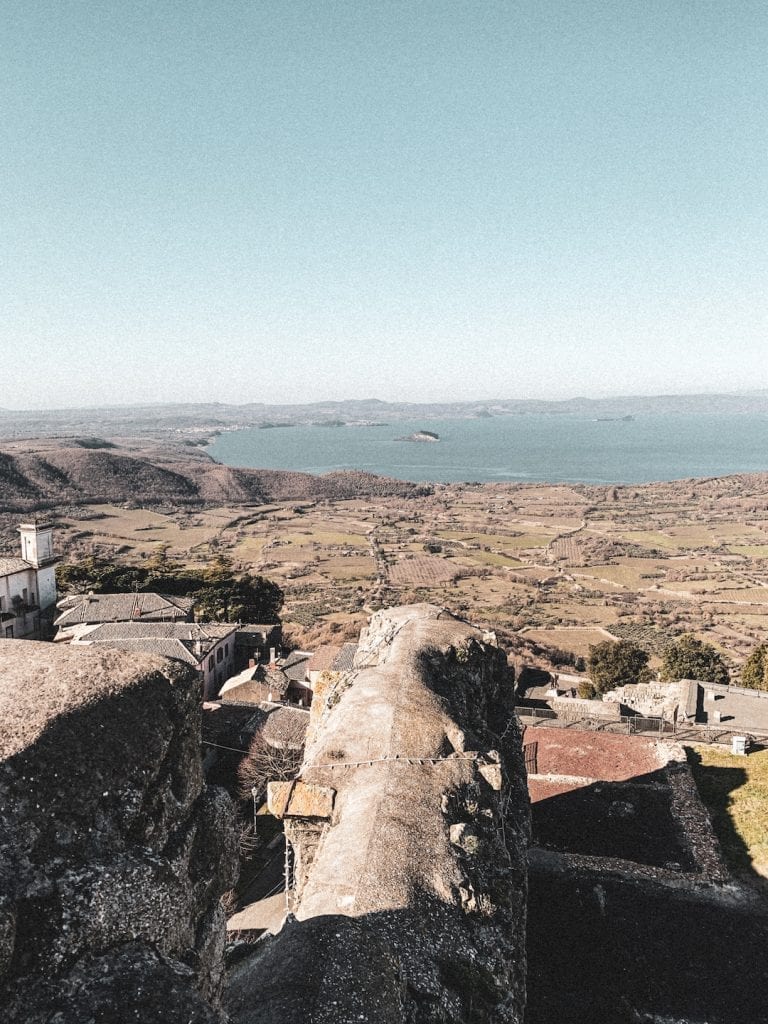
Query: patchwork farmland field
[645, 563]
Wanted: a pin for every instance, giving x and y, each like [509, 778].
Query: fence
[631, 725]
[718, 734]
[627, 724]
[742, 691]
[746, 691]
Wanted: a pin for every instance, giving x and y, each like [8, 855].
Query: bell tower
[36, 544]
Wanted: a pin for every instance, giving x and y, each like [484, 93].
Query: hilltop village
[642, 776]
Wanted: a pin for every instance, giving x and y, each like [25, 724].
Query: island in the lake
[420, 435]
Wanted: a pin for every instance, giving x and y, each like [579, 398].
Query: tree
[220, 595]
[754, 674]
[239, 599]
[586, 690]
[100, 576]
[613, 664]
[689, 658]
[265, 762]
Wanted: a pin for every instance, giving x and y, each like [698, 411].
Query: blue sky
[290, 201]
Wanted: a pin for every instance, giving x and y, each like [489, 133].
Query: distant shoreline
[573, 449]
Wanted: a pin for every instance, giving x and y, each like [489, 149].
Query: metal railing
[626, 724]
[631, 725]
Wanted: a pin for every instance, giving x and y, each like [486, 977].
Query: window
[219, 654]
[9, 632]
[210, 664]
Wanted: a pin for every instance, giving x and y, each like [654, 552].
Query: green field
[735, 792]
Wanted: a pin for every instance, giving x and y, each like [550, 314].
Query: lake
[547, 448]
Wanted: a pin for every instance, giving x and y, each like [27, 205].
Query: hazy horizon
[453, 400]
[296, 202]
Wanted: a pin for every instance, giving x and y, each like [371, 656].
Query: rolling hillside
[39, 479]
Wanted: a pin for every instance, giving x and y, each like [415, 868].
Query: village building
[294, 666]
[288, 680]
[330, 658]
[80, 611]
[256, 684]
[321, 661]
[28, 586]
[256, 642]
[209, 647]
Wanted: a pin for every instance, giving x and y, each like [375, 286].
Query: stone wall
[409, 826]
[575, 708]
[114, 852]
[656, 700]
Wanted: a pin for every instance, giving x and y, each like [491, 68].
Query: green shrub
[617, 664]
[754, 674]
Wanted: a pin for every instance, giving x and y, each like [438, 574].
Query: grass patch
[634, 574]
[653, 539]
[735, 792]
[749, 595]
[749, 550]
[341, 539]
[354, 568]
[491, 558]
[575, 640]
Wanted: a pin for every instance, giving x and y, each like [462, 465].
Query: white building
[28, 585]
[209, 647]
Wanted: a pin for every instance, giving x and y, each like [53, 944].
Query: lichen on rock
[114, 852]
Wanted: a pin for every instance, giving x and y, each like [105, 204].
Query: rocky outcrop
[114, 852]
[408, 827]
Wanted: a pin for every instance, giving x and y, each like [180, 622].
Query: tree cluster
[220, 594]
[611, 664]
[617, 664]
[689, 658]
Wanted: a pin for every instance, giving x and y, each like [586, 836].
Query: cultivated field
[645, 563]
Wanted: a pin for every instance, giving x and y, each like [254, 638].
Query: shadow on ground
[605, 947]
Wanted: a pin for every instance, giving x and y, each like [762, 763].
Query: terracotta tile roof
[254, 685]
[323, 658]
[287, 727]
[123, 608]
[345, 661]
[8, 566]
[188, 641]
[295, 666]
[227, 724]
[167, 648]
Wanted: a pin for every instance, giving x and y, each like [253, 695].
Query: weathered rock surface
[410, 877]
[114, 853]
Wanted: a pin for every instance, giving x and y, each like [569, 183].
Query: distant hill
[57, 475]
[193, 420]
